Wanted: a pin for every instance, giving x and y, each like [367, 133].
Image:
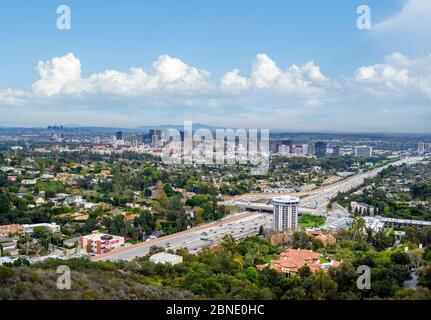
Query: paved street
[239, 226]
[318, 201]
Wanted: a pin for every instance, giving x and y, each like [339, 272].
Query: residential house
[29, 182]
[327, 238]
[292, 260]
[11, 230]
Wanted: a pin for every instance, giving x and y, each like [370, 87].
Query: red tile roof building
[280, 239]
[327, 239]
[292, 260]
[11, 229]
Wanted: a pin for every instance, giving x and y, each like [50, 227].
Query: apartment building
[99, 243]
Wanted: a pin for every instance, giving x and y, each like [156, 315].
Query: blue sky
[187, 51]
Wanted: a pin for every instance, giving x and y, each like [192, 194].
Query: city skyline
[302, 67]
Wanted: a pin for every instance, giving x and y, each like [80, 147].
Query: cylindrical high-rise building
[286, 213]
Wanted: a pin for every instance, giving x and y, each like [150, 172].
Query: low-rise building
[106, 173]
[11, 230]
[327, 239]
[164, 258]
[10, 246]
[280, 239]
[363, 151]
[362, 207]
[47, 176]
[378, 223]
[292, 260]
[100, 243]
[74, 200]
[4, 260]
[29, 182]
[50, 227]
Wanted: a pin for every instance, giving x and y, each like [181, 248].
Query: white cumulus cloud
[266, 75]
[12, 97]
[62, 75]
[233, 83]
[398, 84]
[414, 16]
[398, 76]
[58, 75]
[408, 29]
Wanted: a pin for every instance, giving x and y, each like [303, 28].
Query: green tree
[304, 271]
[319, 286]
[425, 276]
[427, 254]
[401, 258]
[5, 203]
[261, 231]
[301, 241]
[251, 274]
[358, 228]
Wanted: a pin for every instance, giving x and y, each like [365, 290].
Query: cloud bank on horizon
[394, 94]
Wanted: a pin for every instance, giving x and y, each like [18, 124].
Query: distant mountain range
[141, 129]
[196, 126]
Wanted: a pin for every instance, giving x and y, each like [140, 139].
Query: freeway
[320, 200]
[239, 225]
[315, 202]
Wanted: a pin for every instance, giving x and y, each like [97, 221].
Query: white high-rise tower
[286, 213]
[421, 148]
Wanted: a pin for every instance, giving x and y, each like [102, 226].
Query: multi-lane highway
[315, 202]
[239, 225]
[319, 200]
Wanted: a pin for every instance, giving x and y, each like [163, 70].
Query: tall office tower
[363, 151]
[421, 148]
[305, 149]
[155, 141]
[428, 148]
[134, 142]
[320, 149]
[336, 151]
[286, 213]
[273, 146]
[119, 136]
[311, 149]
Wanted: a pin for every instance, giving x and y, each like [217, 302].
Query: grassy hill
[28, 283]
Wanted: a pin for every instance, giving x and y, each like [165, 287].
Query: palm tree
[358, 227]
